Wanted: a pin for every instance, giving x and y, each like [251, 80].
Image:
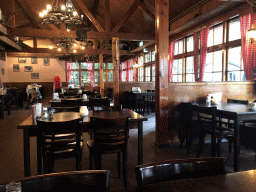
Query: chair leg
[125, 167]
[119, 164]
[201, 144]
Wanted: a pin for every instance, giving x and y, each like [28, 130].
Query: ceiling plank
[29, 13]
[126, 16]
[89, 15]
[143, 7]
[47, 33]
[86, 51]
[107, 15]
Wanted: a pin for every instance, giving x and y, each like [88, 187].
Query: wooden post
[101, 75]
[161, 83]
[34, 43]
[116, 59]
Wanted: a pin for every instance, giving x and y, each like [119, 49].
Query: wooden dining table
[230, 182]
[29, 128]
[238, 113]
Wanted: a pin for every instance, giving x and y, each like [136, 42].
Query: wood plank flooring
[11, 151]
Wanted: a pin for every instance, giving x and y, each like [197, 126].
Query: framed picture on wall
[34, 75]
[16, 67]
[28, 69]
[3, 71]
[21, 60]
[34, 60]
[2, 56]
[47, 62]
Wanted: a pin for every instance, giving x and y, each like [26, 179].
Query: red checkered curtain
[203, 51]
[127, 70]
[68, 70]
[195, 37]
[90, 69]
[248, 48]
[171, 58]
[134, 71]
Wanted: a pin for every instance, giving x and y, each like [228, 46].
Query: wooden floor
[11, 151]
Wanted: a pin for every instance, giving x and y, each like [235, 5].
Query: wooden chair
[98, 102]
[179, 169]
[110, 135]
[65, 109]
[87, 180]
[206, 124]
[60, 140]
[71, 102]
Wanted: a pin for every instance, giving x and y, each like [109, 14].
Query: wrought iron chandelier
[66, 43]
[64, 14]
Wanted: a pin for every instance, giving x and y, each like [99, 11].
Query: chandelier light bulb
[75, 13]
[75, 44]
[83, 47]
[68, 29]
[41, 14]
[59, 49]
[74, 51]
[63, 7]
[50, 47]
[48, 7]
[45, 12]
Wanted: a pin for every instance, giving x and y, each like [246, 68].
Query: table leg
[237, 145]
[26, 148]
[140, 143]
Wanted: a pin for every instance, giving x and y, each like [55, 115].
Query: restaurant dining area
[141, 95]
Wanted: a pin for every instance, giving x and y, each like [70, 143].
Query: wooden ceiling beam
[90, 16]
[126, 16]
[144, 8]
[47, 33]
[79, 51]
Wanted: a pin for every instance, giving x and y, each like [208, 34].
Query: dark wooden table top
[234, 182]
[133, 117]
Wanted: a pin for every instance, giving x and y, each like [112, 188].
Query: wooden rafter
[47, 33]
[143, 7]
[86, 51]
[107, 15]
[87, 12]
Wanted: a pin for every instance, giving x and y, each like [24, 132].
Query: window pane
[218, 34]
[208, 77]
[210, 38]
[234, 30]
[217, 65]
[96, 77]
[190, 65]
[153, 55]
[234, 59]
[85, 77]
[110, 65]
[217, 76]
[153, 73]
[104, 76]
[141, 60]
[75, 66]
[190, 78]
[147, 73]
[110, 76]
[180, 46]
[147, 57]
[190, 44]
[175, 66]
[176, 48]
[96, 65]
[84, 66]
[180, 66]
[209, 59]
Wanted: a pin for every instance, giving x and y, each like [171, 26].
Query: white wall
[46, 73]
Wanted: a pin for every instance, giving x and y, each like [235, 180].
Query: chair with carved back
[110, 136]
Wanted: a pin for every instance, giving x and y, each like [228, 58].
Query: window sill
[212, 83]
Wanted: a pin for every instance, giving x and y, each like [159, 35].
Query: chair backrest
[207, 117]
[179, 169]
[71, 102]
[98, 102]
[65, 109]
[87, 180]
[109, 133]
[245, 102]
[59, 138]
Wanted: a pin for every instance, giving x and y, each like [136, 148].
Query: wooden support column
[34, 43]
[161, 83]
[101, 75]
[115, 59]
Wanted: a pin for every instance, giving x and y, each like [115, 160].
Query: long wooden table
[239, 113]
[135, 122]
[233, 182]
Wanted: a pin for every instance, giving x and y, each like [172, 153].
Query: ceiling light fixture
[65, 14]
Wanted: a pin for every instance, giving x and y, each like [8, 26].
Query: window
[141, 74]
[123, 71]
[147, 57]
[153, 72]
[141, 60]
[80, 74]
[223, 59]
[147, 73]
[153, 55]
[177, 70]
